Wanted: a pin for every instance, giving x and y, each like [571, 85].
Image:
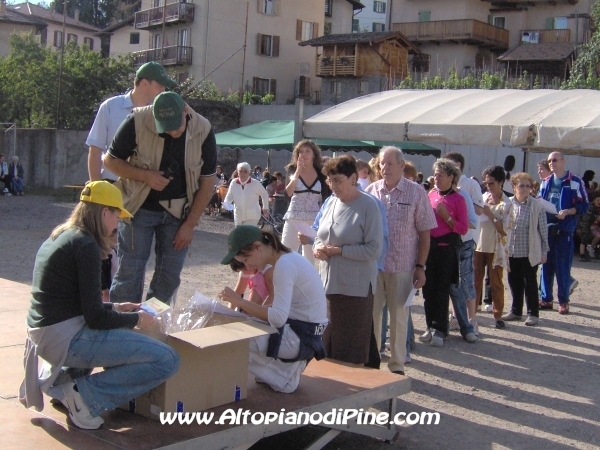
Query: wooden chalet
[359, 54]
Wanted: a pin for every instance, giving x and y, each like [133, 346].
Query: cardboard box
[213, 370]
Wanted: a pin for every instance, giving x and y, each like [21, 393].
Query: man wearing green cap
[166, 157]
[150, 80]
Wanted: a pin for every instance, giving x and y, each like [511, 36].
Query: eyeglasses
[336, 181]
[553, 160]
[524, 186]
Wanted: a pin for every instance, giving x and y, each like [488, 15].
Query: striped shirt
[408, 213]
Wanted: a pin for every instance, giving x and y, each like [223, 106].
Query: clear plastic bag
[190, 316]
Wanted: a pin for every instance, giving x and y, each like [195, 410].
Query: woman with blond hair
[69, 326]
[307, 190]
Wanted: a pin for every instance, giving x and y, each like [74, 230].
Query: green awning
[279, 135]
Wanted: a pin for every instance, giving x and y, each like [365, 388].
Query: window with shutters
[328, 8]
[264, 86]
[499, 22]
[378, 26]
[379, 7]
[134, 38]
[304, 87]
[327, 28]
[89, 42]
[561, 23]
[306, 30]
[355, 25]
[269, 7]
[424, 16]
[268, 45]
[58, 38]
[71, 37]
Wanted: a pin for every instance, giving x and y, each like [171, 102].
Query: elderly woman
[308, 191]
[348, 243]
[68, 325]
[244, 192]
[442, 267]
[15, 169]
[527, 249]
[494, 236]
[298, 311]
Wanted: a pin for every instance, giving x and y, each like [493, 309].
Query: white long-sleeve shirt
[245, 199]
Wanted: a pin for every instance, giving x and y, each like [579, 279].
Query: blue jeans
[135, 243]
[133, 364]
[17, 185]
[560, 259]
[384, 328]
[460, 293]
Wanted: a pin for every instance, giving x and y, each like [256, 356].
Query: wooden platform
[324, 385]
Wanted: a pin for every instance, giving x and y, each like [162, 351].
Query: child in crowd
[280, 183]
[259, 282]
[589, 229]
[364, 172]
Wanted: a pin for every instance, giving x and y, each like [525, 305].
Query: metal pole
[60, 67]
[241, 94]
[162, 37]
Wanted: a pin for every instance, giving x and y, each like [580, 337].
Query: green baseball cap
[155, 72]
[168, 111]
[241, 237]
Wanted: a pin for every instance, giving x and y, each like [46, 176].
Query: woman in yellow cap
[69, 325]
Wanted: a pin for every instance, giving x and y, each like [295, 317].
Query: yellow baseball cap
[104, 193]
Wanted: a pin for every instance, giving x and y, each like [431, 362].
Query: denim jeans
[460, 293]
[135, 243]
[133, 364]
[384, 328]
[560, 259]
[17, 185]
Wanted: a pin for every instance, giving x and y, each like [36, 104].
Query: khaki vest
[148, 155]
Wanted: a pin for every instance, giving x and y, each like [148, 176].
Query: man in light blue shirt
[150, 80]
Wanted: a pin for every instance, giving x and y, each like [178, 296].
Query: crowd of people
[377, 231]
[11, 175]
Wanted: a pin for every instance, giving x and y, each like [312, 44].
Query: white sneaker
[437, 341]
[471, 338]
[425, 337]
[453, 322]
[475, 325]
[408, 359]
[488, 308]
[573, 286]
[78, 411]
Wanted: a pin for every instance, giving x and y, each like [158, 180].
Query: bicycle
[274, 221]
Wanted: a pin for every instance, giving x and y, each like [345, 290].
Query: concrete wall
[119, 41]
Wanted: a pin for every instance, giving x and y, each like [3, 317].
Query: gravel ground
[517, 388]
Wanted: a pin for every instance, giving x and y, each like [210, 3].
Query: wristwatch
[421, 266]
[494, 220]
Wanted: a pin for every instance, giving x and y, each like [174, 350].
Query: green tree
[584, 73]
[29, 84]
[95, 12]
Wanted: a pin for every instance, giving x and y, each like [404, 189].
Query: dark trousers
[522, 280]
[441, 265]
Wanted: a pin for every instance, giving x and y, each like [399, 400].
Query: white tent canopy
[542, 118]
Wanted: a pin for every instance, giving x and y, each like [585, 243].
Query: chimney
[2, 7]
[76, 14]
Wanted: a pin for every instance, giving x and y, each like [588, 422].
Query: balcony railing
[174, 55]
[328, 66]
[514, 4]
[468, 31]
[545, 36]
[174, 13]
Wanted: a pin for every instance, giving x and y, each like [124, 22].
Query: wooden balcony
[464, 31]
[174, 13]
[523, 5]
[329, 66]
[174, 55]
[546, 36]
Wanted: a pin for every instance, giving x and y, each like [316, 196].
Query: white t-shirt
[473, 188]
[363, 183]
[299, 292]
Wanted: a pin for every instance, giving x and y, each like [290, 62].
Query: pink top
[408, 213]
[457, 208]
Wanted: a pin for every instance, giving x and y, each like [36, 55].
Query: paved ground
[518, 388]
